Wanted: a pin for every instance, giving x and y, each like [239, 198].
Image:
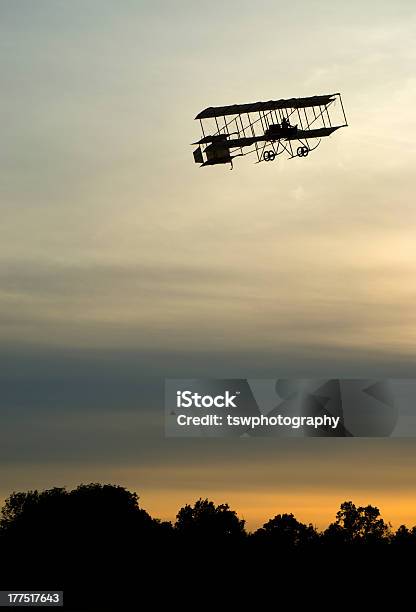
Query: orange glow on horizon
[258, 508]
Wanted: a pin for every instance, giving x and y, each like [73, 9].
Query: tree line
[99, 534]
[97, 510]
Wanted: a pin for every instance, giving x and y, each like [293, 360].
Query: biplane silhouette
[265, 128]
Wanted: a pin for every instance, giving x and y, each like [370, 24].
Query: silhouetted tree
[404, 536]
[205, 520]
[99, 511]
[80, 539]
[286, 531]
[335, 535]
[357, 525]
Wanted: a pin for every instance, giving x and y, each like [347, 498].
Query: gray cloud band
[290, 407]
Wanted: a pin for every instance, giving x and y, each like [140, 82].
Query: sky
[123, 263]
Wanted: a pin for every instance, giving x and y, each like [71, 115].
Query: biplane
[267, 129]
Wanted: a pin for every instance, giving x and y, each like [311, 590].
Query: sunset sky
[123, 263]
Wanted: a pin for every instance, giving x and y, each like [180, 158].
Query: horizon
[301, 512]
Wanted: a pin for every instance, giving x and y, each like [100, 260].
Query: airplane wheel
[269, 155]
[302, 151]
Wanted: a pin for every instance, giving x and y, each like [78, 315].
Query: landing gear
[269, 155]
[302, 151]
